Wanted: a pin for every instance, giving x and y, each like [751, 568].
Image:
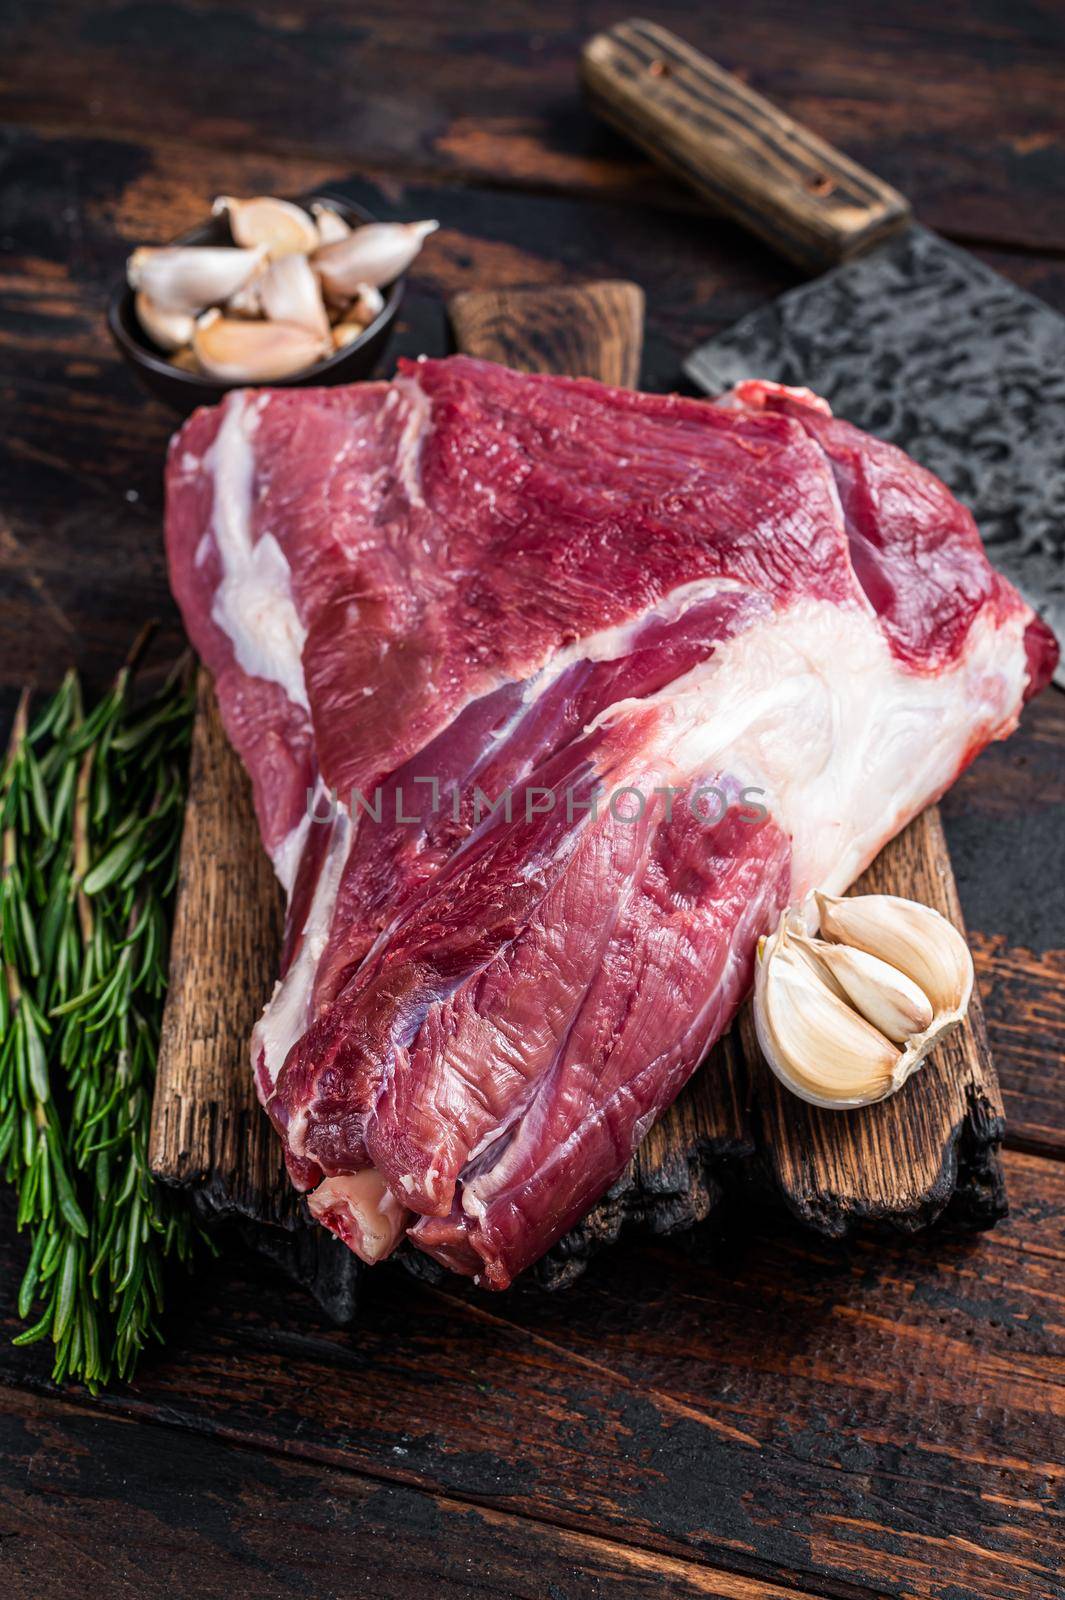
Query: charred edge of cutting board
[674, 1181]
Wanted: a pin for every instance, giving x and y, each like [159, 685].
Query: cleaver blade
[904, 334]
[923, 345]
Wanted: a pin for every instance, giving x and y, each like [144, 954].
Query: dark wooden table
[746, 1412]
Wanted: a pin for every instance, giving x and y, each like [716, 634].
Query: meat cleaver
[903, 333]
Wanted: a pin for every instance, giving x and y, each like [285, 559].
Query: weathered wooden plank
[208, 1132]
[883, 1417]
[85, 1498]
[963, 118]
[1002, 822]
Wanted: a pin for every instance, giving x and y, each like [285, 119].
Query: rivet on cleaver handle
[779, 180]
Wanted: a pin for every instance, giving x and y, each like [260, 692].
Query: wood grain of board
[208, 1132]
[594, 331]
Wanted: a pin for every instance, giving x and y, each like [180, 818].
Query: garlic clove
[170, 330]
[374, 254]
[346, 333]
[366, 306]
[189, 277]
[914, 938]
[883, 995]
[330, 224]
[290, 292]
[817, 1046]
[279, 226]
[247, 302]
[236, 351]
[357, 315]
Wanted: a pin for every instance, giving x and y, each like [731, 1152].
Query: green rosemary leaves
[91, 807]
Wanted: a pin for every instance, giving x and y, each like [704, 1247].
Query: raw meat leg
[769, 637]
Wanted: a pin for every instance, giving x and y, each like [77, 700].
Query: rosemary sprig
[90, 812]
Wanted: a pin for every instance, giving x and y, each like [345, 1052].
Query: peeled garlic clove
[817, 1046]
[364, 308]
[170, 330]
[235, 351]
[346, 333]
[247, 302]
[331, 225]
[189, 277]
[367, 305]
[290, 292]
[279, 226]
[374, 255]
[909, 936]
[883, 995]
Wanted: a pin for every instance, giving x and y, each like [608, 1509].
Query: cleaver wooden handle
[769, 173]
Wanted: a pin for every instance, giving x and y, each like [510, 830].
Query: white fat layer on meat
[812, 707]
[286, 858]
[608, 644]
[286, 1014]
[408, 455]
[371, 1219]
[253, 605]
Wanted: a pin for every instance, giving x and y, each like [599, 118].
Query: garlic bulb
[234, 350]
[845, 1019]
[374, 254]
[366, 306]
[279, 226]
[189, 277]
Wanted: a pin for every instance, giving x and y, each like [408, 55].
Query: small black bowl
[184, 391]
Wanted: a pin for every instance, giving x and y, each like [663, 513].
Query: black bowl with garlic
[269, 291]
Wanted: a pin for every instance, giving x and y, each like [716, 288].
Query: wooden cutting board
[930, 1150]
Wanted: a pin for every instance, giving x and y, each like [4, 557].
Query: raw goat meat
[715, 654]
